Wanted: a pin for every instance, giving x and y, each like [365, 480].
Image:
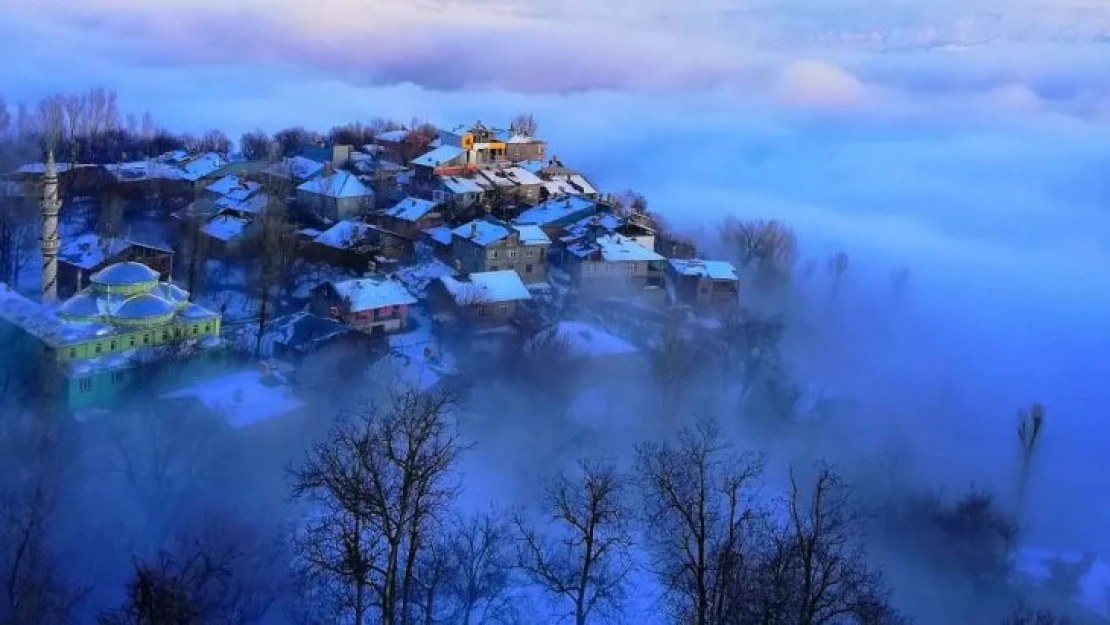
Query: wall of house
[525, 151]
[380, 320]
[529, 261]
[598, 277]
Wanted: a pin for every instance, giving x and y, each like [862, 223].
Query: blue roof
[557, 211]
[438, 156]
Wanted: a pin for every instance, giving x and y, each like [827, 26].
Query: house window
[113, 347]
[512, 253]
[146, 339]
[493, 255]
[528, 269]
[132, 341]
[84, 385]
[207, 327]
[73, 353]
[529, 253]
[98, 348]
[195, 330]
[165, 335]
[481, 311]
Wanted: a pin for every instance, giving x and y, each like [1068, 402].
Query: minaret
[50, 241]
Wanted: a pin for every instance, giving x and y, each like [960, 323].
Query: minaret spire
[51, 205]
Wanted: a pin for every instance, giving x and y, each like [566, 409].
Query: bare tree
[33, 587]
[111, 223]
[19, 228]
[194, 249]
[381, 479]
[1024, 615]
[770, 247]
[1030, 426]
[523, 124]
[835, 265]
[275, 245]
[219, 572]
[255, 145]
[585, 564]
[816, 570]
[701, 523]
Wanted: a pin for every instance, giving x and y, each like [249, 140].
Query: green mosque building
[87, 350]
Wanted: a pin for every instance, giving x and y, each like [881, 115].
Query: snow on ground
[417, 277]
[417, 356]
[243, 398]
[1084, 578]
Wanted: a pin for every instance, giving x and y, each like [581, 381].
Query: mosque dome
[124, 274]
[174, 294]
[83, 306]
[143, 308]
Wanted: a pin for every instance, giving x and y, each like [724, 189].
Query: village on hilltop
[434, 250]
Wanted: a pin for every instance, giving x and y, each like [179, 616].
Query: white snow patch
[243, 398]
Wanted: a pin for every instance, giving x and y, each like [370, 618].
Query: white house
[335, 196]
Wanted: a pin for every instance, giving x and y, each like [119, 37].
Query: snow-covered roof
[557, 209]
[338, 185]
[126, 273]
[560, 187]
[532, 235]
[254, 204]
[489, 287]
[299, 167]
[482, 231]
[89, 250]
[344, 234]
[615, 248]
[586, 341]
[522, 176]
[373, 293]
[712, 269]
[576, 181]
[439, 156]
[496, 178]
[243, 398]
[202, 165]
[518, 138]
[226, 227]
[606, 220]
[233, 183]
[392, 136]
[411, 208]
[458, 185]
[439, 234]
[144, 306]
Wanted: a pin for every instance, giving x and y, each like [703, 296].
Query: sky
[966, 139]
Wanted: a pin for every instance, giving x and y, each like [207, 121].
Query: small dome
[81, 306]
[144, 306]
[121, 274]
[173, 293]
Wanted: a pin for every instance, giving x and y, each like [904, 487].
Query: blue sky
[967, 140]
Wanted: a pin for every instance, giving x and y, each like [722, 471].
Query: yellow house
[91, 342]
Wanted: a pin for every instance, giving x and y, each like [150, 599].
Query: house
[613, 264]
[513, 184]
[554, 214]
[337, 155]
[556, 185]
[410, 216]
[439, 240]
[457, 193]
[485, 298]
[607, 222]
[289, 172]
[227, 231]
[251, 206]
[707, 285]
[376, 305]
[358, 246]
[333, 346]
[392, 144]
[489, 245]
[91, 349]
[336, 195]
[231, 186]
[88, 253]
[522, 148]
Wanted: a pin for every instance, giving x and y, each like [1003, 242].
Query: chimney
[474, 230]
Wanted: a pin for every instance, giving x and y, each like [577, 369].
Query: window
[165, 335]
[73, 353]
[512, 253]
[207, 327]
[132, 341]
[492, 255]
[84, 385]
[98, 348]
[146, 339]
[113, 347]
[529, 253]
[195, 329]
[528, 269]
[481, 311]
